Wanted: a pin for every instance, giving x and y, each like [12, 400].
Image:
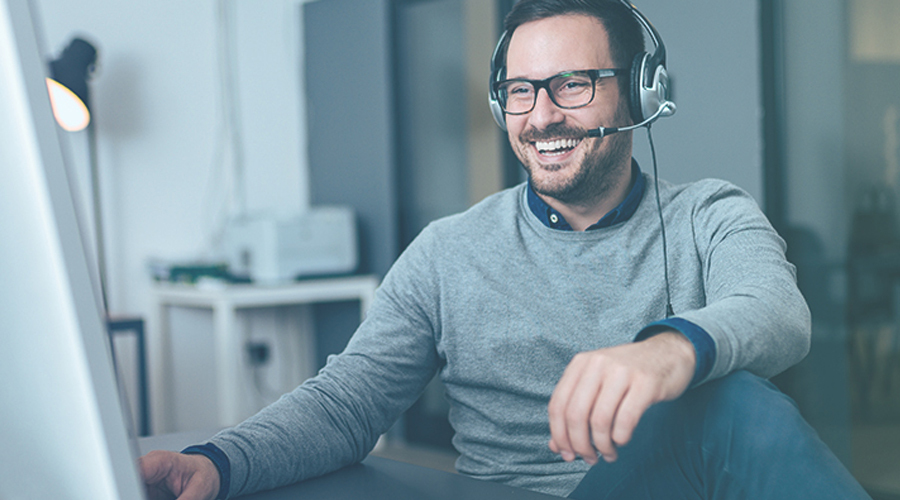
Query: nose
[545, 112]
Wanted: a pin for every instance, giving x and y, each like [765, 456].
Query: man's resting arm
[754, 311]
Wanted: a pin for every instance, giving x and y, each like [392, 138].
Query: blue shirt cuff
[703, 343]
[219, 459]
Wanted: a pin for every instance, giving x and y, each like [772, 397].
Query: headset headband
[659, 53]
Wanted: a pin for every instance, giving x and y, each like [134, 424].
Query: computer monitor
[62, 427]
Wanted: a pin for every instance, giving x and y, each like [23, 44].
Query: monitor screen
[62, 428]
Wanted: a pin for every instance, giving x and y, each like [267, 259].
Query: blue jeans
[736, 437]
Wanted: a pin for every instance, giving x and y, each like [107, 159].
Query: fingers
[599, 401]
[558, 409]
[580, 426]
[597, 414]
[583, 407]
[604, 415]
[603, 394]
[633, 406]
[155, 469]
[168, 475]
[155, 466]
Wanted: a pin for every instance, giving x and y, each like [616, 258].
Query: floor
[875, 432]
[876, 458]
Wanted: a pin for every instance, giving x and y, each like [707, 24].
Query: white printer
[270, 249]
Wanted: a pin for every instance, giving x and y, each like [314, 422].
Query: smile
[557, 147]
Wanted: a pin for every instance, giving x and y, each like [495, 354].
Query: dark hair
[626, 37]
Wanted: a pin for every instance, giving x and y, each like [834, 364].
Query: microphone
[666, 109]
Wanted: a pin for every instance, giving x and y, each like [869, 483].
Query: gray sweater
[497, 304]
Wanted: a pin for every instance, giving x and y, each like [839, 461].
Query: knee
[743, 395]
[746, 412]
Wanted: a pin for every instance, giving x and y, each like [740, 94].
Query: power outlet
[258, 353]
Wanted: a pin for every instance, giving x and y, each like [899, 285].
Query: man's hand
[170, 475]
[603, 394]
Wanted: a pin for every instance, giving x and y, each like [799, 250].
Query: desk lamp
[70, 100]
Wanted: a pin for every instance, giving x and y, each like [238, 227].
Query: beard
[598, 174]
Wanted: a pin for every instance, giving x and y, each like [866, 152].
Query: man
[543, 310]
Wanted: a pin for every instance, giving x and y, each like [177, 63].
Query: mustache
[553, 131]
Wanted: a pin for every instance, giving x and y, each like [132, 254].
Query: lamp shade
[68, 85]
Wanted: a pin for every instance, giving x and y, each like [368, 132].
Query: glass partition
[832, 71]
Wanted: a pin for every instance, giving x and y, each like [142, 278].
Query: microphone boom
[667, 109]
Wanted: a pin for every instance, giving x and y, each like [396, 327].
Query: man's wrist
[219, 461]
[704, 348]
[680, 344]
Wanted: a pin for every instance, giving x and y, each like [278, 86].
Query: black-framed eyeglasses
[568, 90]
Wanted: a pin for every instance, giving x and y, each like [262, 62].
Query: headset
[648, 97]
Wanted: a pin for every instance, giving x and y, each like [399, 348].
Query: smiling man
[544, 310]
[583, 178]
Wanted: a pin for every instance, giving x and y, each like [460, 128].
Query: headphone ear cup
[498, 72]
[635, 98]
[497, 112]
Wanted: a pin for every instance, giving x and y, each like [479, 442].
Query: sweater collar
[554, 220]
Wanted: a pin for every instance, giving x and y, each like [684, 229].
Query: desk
[225, 301]
[375, 478]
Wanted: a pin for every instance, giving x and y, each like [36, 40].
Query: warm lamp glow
[70, 112]
[68, 84]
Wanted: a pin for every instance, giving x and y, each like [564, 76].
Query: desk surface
[253, 295]
[375, 478]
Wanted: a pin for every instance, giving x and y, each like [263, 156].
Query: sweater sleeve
[335, 418]
[754, 311]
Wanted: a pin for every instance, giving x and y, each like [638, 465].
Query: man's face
[550, 141]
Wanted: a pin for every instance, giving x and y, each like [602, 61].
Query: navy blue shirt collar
[554, 220]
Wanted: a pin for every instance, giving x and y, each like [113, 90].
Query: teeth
[546, 146]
